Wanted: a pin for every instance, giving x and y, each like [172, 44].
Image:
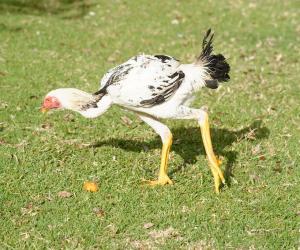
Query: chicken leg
[166, 137]
[213, 160]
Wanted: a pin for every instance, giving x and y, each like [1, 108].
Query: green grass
[255, 129]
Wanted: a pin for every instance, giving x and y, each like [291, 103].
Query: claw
[162, 181]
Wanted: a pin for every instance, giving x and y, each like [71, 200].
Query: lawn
[255, 128]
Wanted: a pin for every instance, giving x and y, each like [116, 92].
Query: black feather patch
[119, 73]
[174, 75]
[218, 68]
[165, 92]
[163, 58]
[89, 105]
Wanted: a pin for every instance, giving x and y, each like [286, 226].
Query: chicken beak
[44, 110]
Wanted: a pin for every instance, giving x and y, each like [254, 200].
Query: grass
[255, 127]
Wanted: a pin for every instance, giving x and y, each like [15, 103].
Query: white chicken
[154, 87]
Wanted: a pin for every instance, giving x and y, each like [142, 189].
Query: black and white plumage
[143, 81]
[155, 87]
[147, 83]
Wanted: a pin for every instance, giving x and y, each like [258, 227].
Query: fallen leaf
[47, 125]
[256, 150]
[262, 157]
[27, 209]
[98, 212]
[251, 135]
[148, 225]
[113, 230]
[64, 194]
[175, 22]
[90, 186]
[250, 58]
[278, 57]
[3, 105]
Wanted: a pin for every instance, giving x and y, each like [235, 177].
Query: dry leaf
[90, 186]
[278, 57]
[112, 229]
[251, 135]
[175, 22]
[262, 157]
[28, 209]
[148, 225]
[64, 194]
[47, 125]
[256, 150]
[98, 211]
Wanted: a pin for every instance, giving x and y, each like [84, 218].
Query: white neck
[82, 102]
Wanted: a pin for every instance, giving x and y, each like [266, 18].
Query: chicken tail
[216, 66]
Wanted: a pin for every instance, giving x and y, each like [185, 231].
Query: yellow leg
[213, 161]
[163, 177]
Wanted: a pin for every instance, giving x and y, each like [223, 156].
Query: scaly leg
[213, 161]
[163, 177]
[166, 137]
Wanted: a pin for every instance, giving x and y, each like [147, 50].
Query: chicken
[155, 87]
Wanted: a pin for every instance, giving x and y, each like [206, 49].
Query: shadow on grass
[188, 144]
[62, 8]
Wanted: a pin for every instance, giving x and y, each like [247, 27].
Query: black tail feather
[207, 47]
[218, 68]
